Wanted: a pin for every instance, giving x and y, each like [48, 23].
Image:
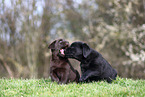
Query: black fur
[93, 66]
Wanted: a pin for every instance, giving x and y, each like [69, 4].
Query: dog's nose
[66, 51]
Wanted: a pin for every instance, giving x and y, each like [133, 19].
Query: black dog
[93, 66]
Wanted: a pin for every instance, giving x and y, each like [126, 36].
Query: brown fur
[61, 70]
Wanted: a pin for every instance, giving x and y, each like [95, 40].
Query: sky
[39, 4]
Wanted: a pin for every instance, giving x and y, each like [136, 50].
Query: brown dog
[61, 70]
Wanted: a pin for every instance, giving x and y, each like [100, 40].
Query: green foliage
[45, 88]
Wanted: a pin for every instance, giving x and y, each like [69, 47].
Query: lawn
[45, 88]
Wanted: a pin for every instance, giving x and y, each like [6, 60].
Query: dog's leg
[88, 74]
[54, 77]
[64, 77]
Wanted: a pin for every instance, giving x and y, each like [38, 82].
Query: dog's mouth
[62, 50]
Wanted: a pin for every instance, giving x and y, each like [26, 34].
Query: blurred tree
[116, 28]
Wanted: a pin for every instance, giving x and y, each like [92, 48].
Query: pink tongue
[62, 51]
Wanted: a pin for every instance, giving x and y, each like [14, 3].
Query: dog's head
[78, 50]
[58, 46]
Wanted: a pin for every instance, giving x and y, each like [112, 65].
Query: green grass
[45, 88]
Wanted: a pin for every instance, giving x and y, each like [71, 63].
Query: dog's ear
[86, 50]
[52, 45]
